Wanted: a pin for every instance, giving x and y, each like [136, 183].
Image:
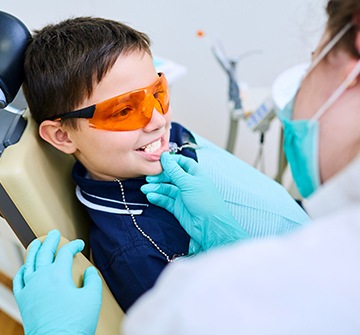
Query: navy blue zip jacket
[129, 262]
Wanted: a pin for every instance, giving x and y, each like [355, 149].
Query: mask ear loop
[325, 51]
[330, 45]
[340, 90]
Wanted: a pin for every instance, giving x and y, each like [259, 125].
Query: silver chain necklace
[137, 226]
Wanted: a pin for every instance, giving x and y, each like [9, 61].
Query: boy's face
[123, 154]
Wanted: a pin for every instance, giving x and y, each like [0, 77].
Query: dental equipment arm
[184, 190]
[47, 297]
[236, 107]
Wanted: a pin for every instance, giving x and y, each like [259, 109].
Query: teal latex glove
[45, 292]
[184, 190]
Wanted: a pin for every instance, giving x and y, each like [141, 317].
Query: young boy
[92, 87]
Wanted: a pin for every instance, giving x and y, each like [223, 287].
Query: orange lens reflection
[132, 110]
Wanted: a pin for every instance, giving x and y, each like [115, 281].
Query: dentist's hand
[45, 292]
[184, 190]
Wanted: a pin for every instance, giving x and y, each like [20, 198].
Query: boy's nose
[157, 120]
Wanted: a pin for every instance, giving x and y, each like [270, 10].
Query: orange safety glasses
[128, 111]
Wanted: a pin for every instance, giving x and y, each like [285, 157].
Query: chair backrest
[37, 193]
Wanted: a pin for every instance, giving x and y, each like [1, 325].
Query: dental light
[14, 38]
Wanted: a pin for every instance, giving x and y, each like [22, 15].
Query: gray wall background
[284, 31]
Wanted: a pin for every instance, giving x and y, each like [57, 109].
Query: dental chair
[37, 193]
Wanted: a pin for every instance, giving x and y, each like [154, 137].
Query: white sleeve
[306, 283]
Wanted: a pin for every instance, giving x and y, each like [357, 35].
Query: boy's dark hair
[64, 61]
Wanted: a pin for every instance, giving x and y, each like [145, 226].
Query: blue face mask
[301, 143]
[301, 137]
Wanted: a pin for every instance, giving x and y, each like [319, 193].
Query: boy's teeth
[152, 147]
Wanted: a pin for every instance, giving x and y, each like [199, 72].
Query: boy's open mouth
[152, 147]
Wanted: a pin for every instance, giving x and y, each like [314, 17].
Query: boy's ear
[57, 136]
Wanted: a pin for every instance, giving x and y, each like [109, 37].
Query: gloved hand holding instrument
[184, 190]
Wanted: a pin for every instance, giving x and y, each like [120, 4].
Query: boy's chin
[156, 169]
